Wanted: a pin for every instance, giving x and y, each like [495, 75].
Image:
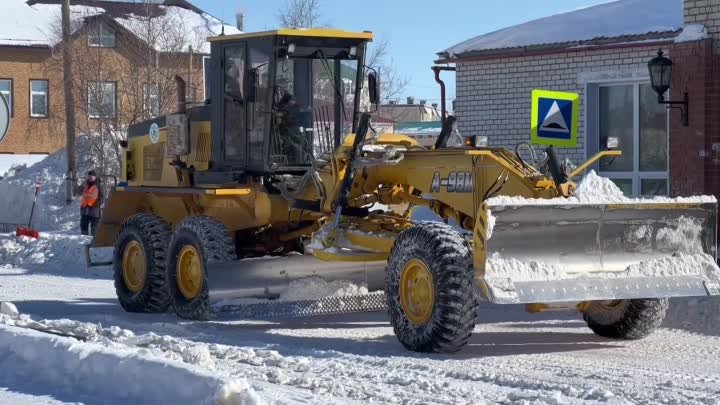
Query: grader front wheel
[197, 242]
[429, 289]
[139, 264]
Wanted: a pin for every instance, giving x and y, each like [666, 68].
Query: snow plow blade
[234, 287]
[581, 252]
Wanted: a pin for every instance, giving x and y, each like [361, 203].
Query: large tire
[626, 319]
[148, 236]
[439, 250]
[210, 240]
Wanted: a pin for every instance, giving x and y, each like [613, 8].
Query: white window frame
[635, 175]
[206, 93]
[99, 33]
[90, 101]
[152, 111]
[45, 93]
[9, 97]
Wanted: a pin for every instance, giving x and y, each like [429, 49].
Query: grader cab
[279, 175]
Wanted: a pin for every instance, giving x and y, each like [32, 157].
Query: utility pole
[69, 102]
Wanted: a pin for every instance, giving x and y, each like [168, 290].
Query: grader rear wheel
[625, 319]
[139, 264]
[197, 242]
[429, 289]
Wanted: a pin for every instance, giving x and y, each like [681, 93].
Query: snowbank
[65, 253]
[594, 189]
[112, 374]
[51, 213]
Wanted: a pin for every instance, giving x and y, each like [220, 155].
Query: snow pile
[62, 251]
[680, 264]
[692, 32]
[608, 20]
[10, 165]
[108, 365]
[51, 212]
[594, 189]
[313, 288]
[499, 267]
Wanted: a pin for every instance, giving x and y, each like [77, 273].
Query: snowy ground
[74, 344]
[512, 358]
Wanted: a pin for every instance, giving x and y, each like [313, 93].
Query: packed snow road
[512, 358]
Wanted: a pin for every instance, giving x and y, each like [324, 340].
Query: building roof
[617, 21]
[36, 23]
[426, 128]
[301, 32]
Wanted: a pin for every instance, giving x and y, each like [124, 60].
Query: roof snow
[37, 25]
[622, 19]
[23, 25]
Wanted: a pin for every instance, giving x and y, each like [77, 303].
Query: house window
[632, 113]
[101, 36]
[39, 98]
[102, 100]
[151, 99]
[6, 89]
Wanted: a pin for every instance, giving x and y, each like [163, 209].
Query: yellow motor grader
[280, 175]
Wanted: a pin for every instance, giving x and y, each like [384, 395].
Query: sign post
[554, 118]
[4, 117]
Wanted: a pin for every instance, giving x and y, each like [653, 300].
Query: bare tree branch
[299, 13]
[392, 82]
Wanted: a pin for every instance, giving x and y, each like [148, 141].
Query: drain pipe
[181, 95]
[443, 105]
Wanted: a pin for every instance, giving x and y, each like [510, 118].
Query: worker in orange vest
[92, 198]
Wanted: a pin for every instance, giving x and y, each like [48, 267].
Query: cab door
[230, 120]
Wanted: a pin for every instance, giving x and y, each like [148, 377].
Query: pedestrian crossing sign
[554, 118]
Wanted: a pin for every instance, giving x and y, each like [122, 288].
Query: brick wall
[699, 71]
[493, 95]
[47, 135]
[27, 134]
[688, 145]
[706, 12]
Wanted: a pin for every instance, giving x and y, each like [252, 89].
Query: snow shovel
[27, 231]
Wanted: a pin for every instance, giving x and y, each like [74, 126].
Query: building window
[151, 99]
[6, 89]
[101, 36]
[39, 98]
[631, 113]
[102, 100]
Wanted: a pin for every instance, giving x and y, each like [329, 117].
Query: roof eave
[651, 38]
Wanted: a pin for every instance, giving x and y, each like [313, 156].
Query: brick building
[126, 56]
[601, 52]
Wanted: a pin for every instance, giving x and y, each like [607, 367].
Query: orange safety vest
[90, 196]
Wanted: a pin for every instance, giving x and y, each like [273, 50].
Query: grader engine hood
[545, 252]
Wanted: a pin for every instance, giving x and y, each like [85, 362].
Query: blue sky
[415, 29]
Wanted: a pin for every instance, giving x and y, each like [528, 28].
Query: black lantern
[660, 68]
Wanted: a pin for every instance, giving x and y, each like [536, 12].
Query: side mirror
[374, 88]
[251, 86]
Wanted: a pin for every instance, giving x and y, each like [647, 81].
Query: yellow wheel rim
[417, 294]
[134, 266]
[189, 272]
